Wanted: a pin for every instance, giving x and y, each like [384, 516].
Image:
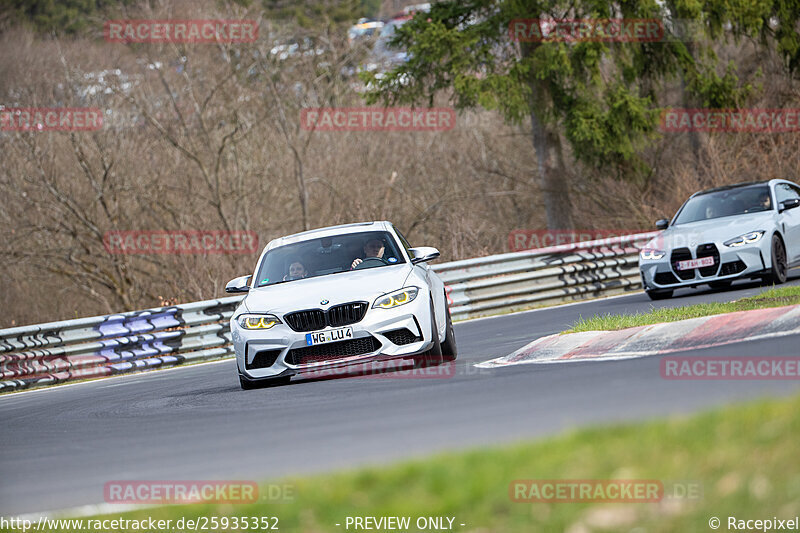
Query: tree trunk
[552, 175]
[302, 190]
[696, 140]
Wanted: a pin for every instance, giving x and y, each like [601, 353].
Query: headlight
[393, 299]
[648, 254]
[747, 238]
[251, 321]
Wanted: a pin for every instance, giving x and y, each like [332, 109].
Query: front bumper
[731, 263]
[281, 351]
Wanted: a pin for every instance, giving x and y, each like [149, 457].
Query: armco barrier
[45, 354]
[56, 352]
[563, 273]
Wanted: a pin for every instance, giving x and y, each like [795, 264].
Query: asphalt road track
[59, 446]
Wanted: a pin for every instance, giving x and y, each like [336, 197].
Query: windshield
[725, 203]
[329, 255]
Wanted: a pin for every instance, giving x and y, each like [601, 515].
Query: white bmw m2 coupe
[335, 297]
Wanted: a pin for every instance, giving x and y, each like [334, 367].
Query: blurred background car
[364, 29]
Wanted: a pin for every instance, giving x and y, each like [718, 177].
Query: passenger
[296, 271]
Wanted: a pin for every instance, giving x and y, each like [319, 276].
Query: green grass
[745, 458]
[775, 297]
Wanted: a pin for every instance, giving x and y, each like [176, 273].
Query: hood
[357, 285]
[717, 230]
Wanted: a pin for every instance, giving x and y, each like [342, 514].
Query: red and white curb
[656, 339]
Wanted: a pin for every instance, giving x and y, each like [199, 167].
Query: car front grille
[401, 337]
[315, 319]
[681, 254]
[342, 315]
[333, 350]
[708, 250]
[309, 320]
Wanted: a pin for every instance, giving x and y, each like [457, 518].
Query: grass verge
[744, 458]
[775, 297]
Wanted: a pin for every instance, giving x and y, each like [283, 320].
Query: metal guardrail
[46, 354]
[56, 352]
[521, 280]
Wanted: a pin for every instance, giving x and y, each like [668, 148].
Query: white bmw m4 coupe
[749, 230]
[335, 297]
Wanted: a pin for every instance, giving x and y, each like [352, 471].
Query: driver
[764, 200]
[372, 248]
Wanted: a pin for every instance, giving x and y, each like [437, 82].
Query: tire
[449, 348]
[247, 384]
[777, 274]
[660, 295]
[720, 285]
[433, 356]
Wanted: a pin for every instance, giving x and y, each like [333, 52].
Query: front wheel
[433, 356]
[449, 348]
[777, 274]
[660, 295]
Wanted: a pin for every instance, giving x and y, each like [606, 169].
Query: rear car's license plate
[332, 335]
[695, 263]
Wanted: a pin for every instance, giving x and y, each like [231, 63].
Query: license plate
[695, 263]
[332, 335]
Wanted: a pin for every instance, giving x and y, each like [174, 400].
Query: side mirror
[423, 254]
[240, 284]
[789, 204]
[662, 224]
